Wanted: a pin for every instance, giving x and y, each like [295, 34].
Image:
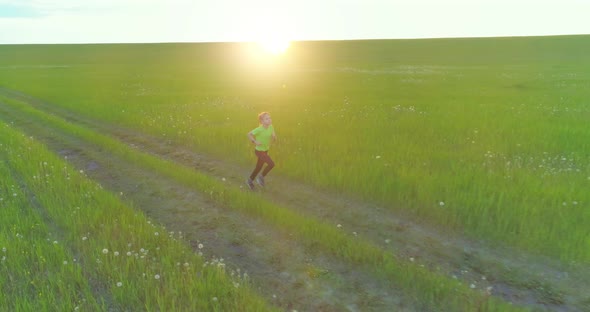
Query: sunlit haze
[274, 46]
[90, 21]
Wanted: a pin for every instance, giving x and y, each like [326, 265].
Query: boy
[261, 137]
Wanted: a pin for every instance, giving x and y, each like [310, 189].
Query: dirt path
[284, 271]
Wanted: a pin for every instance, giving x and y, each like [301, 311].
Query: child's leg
[269, 166]
[258, 167]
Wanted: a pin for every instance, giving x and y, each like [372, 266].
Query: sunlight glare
[274, 46]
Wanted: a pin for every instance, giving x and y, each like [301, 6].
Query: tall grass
[38, 272]
[68, 245]
[425, 288]
[483, 136]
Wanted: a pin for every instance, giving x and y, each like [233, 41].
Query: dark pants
[262, 158]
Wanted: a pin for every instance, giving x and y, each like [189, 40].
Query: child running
[261, 137]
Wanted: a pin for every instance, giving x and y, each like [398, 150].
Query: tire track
[284, 271]
[515, 276]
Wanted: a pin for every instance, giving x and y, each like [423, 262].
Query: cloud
[9, 10]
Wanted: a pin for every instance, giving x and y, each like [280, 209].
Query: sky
[114, 21]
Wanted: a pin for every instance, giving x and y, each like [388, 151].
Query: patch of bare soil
[287, 273]
[529, 280]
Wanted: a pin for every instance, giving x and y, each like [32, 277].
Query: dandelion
[84, 238]
[339, 225]
[3, 249]
[116, 253]
[214, 298]
[119, 284]
[157, 276]
[387, 241]
[472, 286]
[412, 259]
[156, 234]
[55, 242]
[378, 157]
[186, 264]
[441, 203]
[129, 253]
[105, 251]
[200, 246]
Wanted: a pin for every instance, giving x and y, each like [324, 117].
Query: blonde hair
[261, 115]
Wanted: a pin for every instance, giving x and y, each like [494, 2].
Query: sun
[274, 46]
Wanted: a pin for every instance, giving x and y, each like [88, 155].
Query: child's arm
[274, 136]
[252, 138]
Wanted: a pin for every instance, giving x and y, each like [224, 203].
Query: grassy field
[68, 245]
[427, 288]
[483, 136]
[486, 138]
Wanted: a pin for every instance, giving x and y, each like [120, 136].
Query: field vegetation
[67, 244]
[482, 138]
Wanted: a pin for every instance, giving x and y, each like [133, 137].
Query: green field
[484, 139]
